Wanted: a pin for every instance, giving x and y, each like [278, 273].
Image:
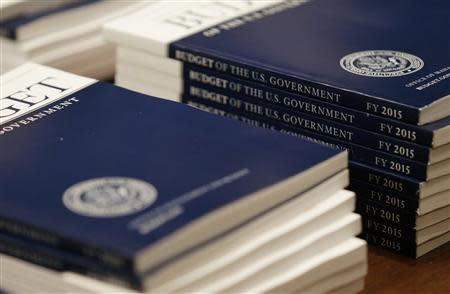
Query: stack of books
[366, 77]
[158, 196]
[37, 279]
[63, 33]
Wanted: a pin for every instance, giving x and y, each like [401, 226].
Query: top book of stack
[402, 75]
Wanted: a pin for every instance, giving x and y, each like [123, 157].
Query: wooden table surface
[390, 273]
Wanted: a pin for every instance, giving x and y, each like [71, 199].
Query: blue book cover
[373, 56]
[133, 180]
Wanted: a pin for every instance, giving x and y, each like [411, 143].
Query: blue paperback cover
[373, 56]
[133, 180]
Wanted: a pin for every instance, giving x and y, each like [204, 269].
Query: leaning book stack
[364, 77]
[61, 33]
[158, 196]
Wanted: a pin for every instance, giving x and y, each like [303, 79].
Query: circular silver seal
[381, 63]
[109, 197]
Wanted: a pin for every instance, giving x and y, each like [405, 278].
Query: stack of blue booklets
[363, 76]
[61, 33]
[158, 196]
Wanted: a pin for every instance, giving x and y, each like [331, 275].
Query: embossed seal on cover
[109, 196]
[381, 63]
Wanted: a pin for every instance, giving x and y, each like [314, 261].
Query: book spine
[9, 34]
[281, 114]
[213, 81]
[104, 257]
[386, 229]
[378, 195]
[301, 86]
[19, 252]
[403, 247]
[359, 153]
[59, 264]
[386, 214]
[342, 131]
[387, 180]
[344, 135]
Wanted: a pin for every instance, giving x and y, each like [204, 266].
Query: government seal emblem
[109, 197]
[381, 63]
